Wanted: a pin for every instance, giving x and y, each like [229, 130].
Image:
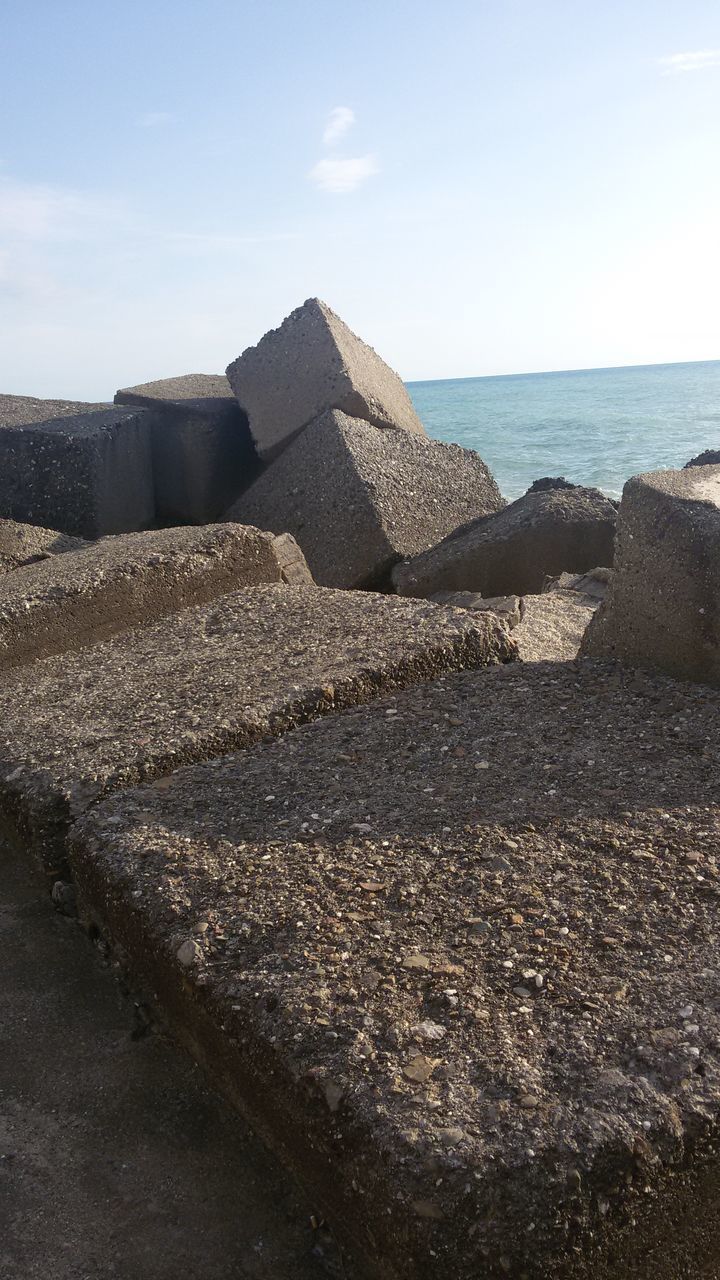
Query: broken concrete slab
[22, 544]
[663, 609]
[86, 474]
[203, 454]
[131, 580]
[514, 551]
[508, 608]
[594, 585]
[553, 625]
[456, 956]
[357, 499]
[310, 364]
[206, 681]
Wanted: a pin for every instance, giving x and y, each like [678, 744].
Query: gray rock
[208, 680]
[597, 815]
[593, 585]
[515, 550]
[86, 474]
[203, 455]
[357, 499]
[663, 609]
[312, 363]
[22, 544]
[708, 458]
[71, 601]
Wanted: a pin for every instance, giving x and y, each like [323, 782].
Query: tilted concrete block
[512, 552]
[87, 474]
[76, 600]
[357, 927]
[663, 607]
[358, 499]
[312, 363]
[205, 681]
[22, 544]
[203, 454]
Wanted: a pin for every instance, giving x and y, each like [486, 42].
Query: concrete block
[131, 580]
[355, 929]
[312, 363]
[205, 681]
[86, 474]
[358, 499]
[22, 544]
[546, 531]
[663, 608]
[203, 454]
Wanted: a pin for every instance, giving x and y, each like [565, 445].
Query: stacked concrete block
[83, 473]
[203, 455]
[545, 532]
[663, 608]
[358, 499]
[206, 681]
[75, 600]
[313, 363]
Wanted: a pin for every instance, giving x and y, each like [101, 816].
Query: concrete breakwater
[292, 708]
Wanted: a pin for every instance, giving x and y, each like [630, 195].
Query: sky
[476, 187]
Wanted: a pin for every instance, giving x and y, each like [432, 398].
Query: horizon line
[538, 373]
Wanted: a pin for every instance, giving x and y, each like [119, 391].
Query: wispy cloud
[34, 211]
[339, 121]
[343, 175]
[679, 63]
[155, 119]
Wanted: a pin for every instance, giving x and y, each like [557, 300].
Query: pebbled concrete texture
[553, 625]
[117, 1162]
[358, 499]
[310, 364]
[86, 474]
[205, 681]
[22, 544]
[20, 411]
[513, 551]
[663, 607]
[203, 454]
[455, 954]
[71, 602]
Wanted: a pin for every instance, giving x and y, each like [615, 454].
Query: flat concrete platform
[131, 580]
[206, 681]
[116, 1161]
[456, 955]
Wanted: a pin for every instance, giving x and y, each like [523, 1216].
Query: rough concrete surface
[457, 956]
[514, 551]
[70, 602]
[312, 363]
[20, 411]
[86, 474]
[22, 544]
[116, 1161]
[663, 608]
[203, 454]
[508, 608]
[206, 681]
[553, 625]
[709, 457]
[357, 499]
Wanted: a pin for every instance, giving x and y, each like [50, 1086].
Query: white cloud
[339, 121]
[700, 60]
[340, 176]
[33, 211]
[154, 119]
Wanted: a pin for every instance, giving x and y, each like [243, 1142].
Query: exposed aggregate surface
[467, 939]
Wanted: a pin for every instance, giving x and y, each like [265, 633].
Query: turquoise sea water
[593, 426]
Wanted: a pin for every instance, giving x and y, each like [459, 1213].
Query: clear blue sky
[476, 186]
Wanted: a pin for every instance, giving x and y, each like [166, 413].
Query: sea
[595, 427]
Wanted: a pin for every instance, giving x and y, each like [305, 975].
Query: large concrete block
[540, 535]
[87, 474]
[312, 363]
[22, 544]
[456, 955]
[663, 608]
[206, 681]
[131, 580]
[357, 499]
[203, 454]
